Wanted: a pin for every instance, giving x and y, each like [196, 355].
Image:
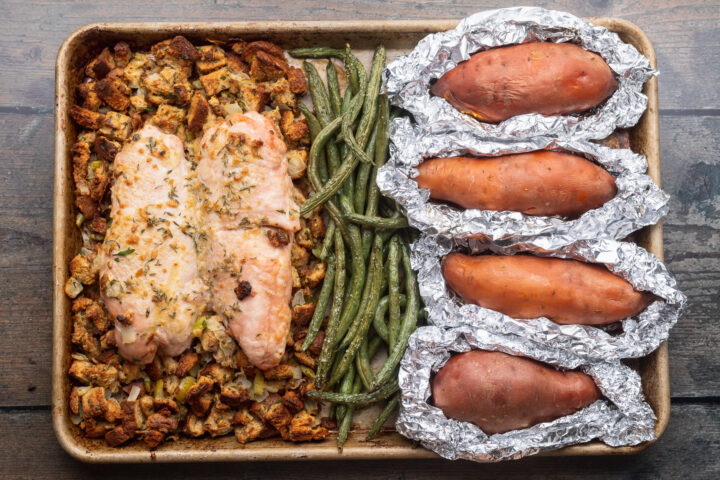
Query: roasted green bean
[377, 222]
[364, 323]
[382, 328]
[317, 52]
[322, 252]
[387, 410]
[336, 310]
[322, 303]
[358, 399]
[333, 88]
[408, 323]
[394, 287]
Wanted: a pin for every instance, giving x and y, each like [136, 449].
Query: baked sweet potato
[563, 290]
[537, 183]
[500, 392]
[540, 77]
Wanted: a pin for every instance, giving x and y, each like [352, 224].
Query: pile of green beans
[369, 289]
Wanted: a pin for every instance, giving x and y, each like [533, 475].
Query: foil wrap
[639, 201]
[408, 77]
[640, 335]
[622, 418]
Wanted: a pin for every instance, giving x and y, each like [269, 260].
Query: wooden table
[687, 40]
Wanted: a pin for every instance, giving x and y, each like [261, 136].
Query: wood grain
[25, 266]
[690, 156]
[28, 440]
[685, 35]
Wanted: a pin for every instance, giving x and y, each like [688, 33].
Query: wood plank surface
[687, 41]
[690, 156]
[683, 449]
[685, 34]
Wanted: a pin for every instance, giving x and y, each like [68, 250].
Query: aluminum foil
[639, 201]
[408, 77]
[622, 418]
[640, 335]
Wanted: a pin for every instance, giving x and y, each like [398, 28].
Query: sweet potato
[500, 392]
[523, 286]
[537, 183]
[541, 77]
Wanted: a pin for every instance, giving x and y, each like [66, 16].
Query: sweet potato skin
[536, 183]
[540, 77]
[500, 392]
[563, 290]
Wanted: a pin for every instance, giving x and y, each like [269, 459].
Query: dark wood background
[687, 40]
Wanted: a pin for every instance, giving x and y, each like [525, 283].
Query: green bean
[347, 98]
[346, 422]
[357, 284]
[394, 285]
[351, 69]
[360, 194]
[338, 177]
[382, 328]
[323, 192]
[380, 156]
[315, 128]
[315, 181]
[344, 426]
[349, 116]
[362, 364]
[333, 156]
[374, 346]
[319, 95]
[322, 303]
[352, 143]
[312, 121]
[377, 222]
[349, 186]
[374, 83]
[387, 410]
[348, 331]
[366, 319]
[314, 177]
[317, 52]
[333, 88]
[346, 386]
[370, 101]
[407, 326]
[362, 359]
[322, 252]
[363, 173]
[335, 312]
[351, 304]
[323, 109]
[368, 94]
[358, 399]
[381, 141]
[336, 217]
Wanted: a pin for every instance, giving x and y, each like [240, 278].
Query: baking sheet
[399, 37]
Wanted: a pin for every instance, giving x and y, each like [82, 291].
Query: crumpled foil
[639, 201]
[640, 334]
[621, 419]
[408, 77]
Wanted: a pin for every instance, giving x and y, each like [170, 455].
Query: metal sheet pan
[399, 37]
